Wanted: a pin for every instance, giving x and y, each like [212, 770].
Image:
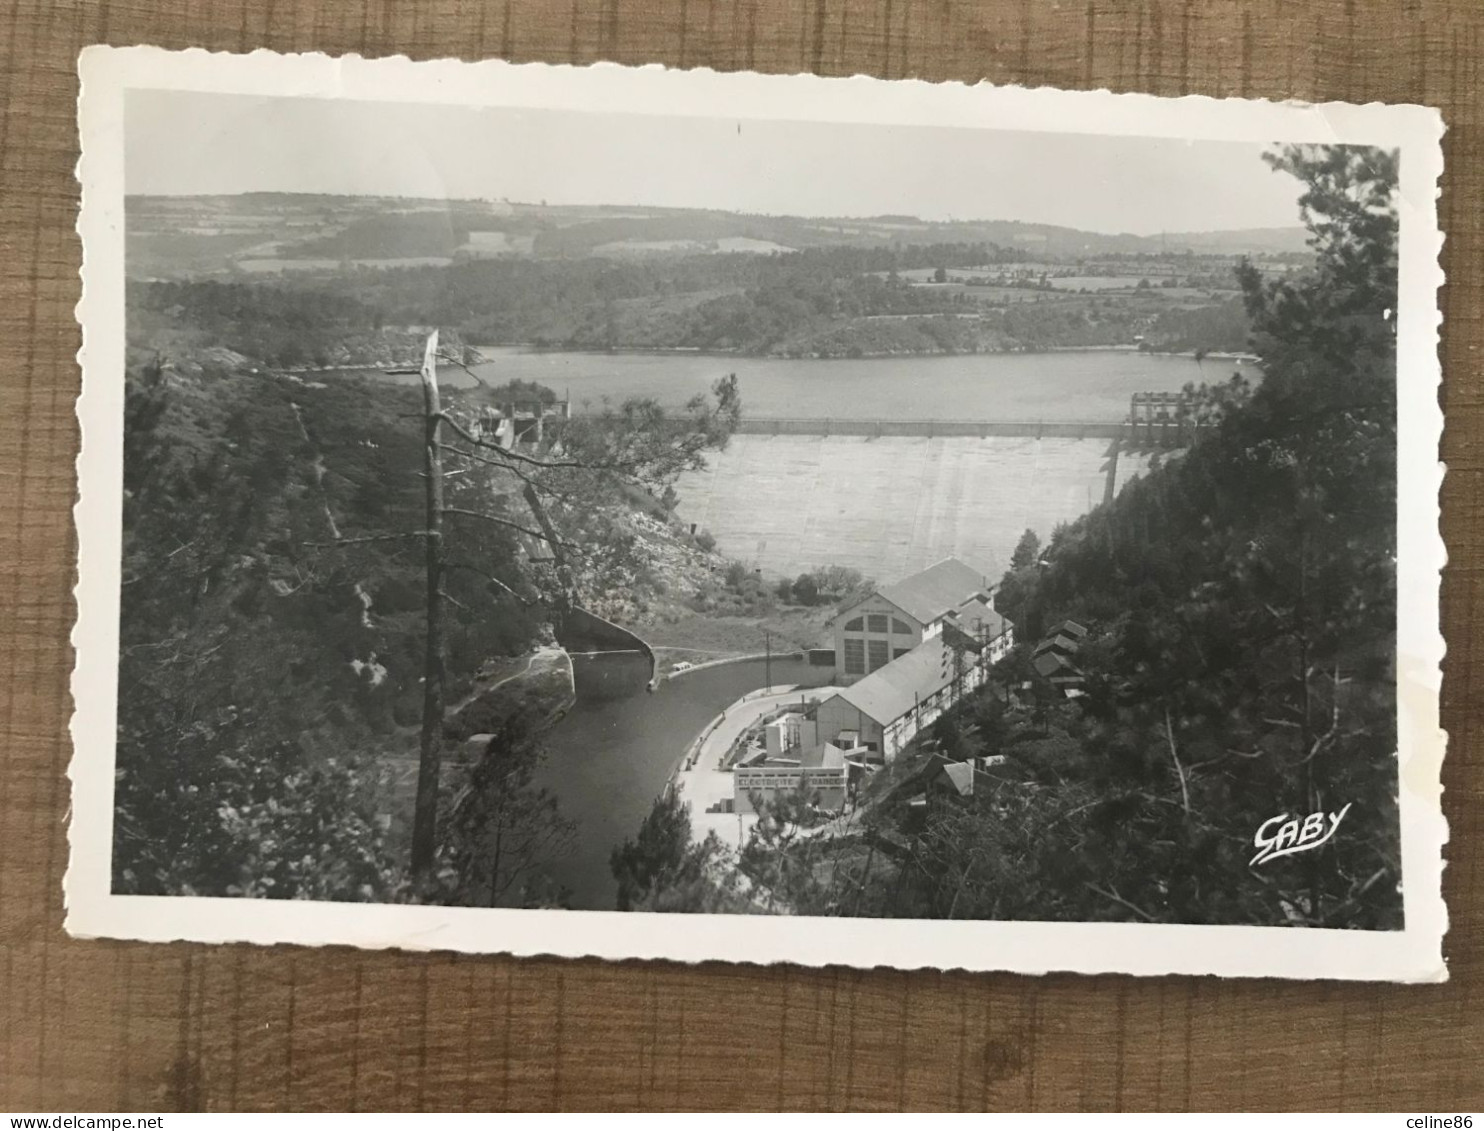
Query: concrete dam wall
[1033, 429]
[608, 661]
[889, 505]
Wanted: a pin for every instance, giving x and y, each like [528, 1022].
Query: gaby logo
[1283, 836]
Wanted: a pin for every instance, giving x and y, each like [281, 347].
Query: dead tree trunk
[425, 810]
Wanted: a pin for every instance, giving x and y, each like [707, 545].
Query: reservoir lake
[1081, 385]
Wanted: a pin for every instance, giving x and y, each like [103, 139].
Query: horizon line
[703, 208]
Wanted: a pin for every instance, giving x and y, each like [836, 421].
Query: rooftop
[976, 617]
[934, 591]
[890, 692]
[826, 756]
[960, 776]
[1052, 663]
[1064, 645]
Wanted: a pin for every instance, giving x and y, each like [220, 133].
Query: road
[705, 783]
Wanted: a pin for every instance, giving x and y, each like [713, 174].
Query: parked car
[681, 666]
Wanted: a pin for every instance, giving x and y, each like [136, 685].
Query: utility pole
[430, 755]
[767, 659]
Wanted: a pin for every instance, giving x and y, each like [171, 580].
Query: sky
[186, 143]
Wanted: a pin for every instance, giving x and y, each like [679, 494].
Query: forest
[275, 651]
[821, 301]
[1239, 664]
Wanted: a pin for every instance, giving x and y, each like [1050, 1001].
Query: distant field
[278, 266]
[893, 505]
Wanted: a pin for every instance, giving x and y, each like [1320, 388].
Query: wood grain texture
[114, 1026]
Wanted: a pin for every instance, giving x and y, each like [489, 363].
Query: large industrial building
[905, 653]
[819, 771]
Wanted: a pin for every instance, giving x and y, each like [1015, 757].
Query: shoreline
[699, 786]
[672, 780]
[696, 351]
[378, 370]
[705, 665]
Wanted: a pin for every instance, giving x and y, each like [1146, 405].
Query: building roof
[890, 692]
[1070, 628]
[1063, 645]
[927, 595]
[976, 617]
[825, 756]
[1053, 663]
[1065, 638]
[960, 775]
[853, 608]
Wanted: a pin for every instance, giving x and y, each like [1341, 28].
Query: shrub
[806, 589]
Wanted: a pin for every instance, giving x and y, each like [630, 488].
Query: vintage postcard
[640, 513]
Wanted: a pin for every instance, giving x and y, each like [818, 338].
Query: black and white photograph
[666, 514]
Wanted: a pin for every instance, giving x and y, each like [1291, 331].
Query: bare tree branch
[1116, 898]
[514, 469]
[457, 364]
[506, 523]
[375, 538]
[488, 577]
[1179, 769]
[539, 510]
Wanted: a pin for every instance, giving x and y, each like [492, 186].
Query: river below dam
[614, 751]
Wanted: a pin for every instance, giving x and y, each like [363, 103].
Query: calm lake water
[1069, 385]
[610, 757]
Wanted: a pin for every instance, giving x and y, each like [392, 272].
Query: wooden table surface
[116, 1026]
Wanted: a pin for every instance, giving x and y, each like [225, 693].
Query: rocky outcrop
[540, 686]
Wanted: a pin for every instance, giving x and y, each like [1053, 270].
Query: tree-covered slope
[1243, 600]
[1240, 664]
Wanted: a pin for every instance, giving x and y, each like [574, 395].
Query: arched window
[900, 626]
[855, 625]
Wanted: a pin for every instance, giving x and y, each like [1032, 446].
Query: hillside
[273, 623]
[307, 281]
[171, 236]
[820, 302]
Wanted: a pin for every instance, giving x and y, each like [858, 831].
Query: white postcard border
[1413, 954]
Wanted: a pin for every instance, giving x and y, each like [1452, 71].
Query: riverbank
[676, 634]
[490, 351]
[608, 759]
[698, 777]
[541, 684]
